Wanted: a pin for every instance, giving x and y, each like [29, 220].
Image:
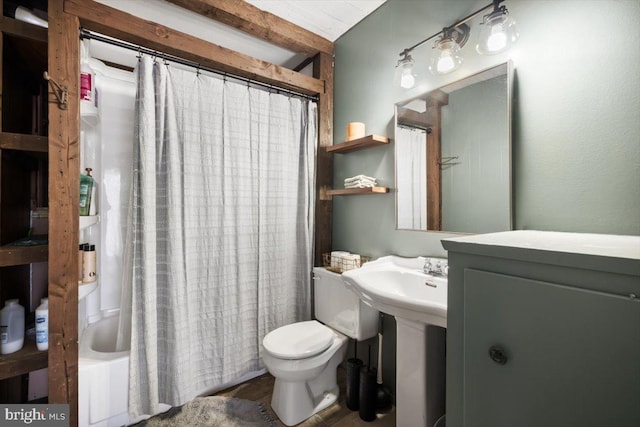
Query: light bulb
[497, 41]
[407, 81]
[445, 63]
[446, 57]
[404, 76]
[497, 32]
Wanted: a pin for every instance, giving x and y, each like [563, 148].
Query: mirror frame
[450, 87]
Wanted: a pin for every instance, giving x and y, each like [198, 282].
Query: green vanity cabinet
[543, 329]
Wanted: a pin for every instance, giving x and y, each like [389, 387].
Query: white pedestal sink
[399, 287]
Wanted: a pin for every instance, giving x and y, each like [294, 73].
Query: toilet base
[306, 404]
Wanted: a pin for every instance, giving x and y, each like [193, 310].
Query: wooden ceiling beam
[132, 29]
[259, 23]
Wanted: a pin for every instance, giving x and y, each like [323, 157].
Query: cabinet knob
[498, 355]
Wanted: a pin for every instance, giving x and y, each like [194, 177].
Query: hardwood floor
[337, 415]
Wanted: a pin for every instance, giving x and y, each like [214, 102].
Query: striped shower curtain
[411, 176]
[221, 230]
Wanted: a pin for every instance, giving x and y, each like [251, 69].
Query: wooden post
[64, 175]
[434, 174]
[435, 100]
[323, 70]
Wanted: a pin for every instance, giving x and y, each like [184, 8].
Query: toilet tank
[339, 308]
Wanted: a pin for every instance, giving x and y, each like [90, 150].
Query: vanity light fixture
[405, 76]
[447, 57]
[497, 33]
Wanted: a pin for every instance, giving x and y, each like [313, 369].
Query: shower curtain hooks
[139, 56]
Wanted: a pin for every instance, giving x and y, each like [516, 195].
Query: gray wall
[576, 128]
[576, 160]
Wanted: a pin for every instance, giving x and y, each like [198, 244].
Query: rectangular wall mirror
[453, 156]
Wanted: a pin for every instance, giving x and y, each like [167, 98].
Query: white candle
[355, 130]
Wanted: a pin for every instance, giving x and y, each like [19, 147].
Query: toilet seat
[298, 340]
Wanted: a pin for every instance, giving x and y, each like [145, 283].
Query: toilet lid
[298, 340]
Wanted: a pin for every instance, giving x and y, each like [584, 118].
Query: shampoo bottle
[80, 260]
[88, 92]
[12, 322]
[42, 325]
[86, 187]
[89, 264]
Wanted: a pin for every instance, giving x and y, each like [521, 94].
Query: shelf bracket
[61, 92]
[324, 193]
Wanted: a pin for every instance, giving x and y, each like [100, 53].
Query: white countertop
[598, 252]
[578, 243]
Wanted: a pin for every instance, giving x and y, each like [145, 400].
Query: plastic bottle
[12, 322]
[88, 95]
[86, 77]
[42, 325]
[93, 206]
[86, 188]
[89, 264]
[80, 260]
[23, 14]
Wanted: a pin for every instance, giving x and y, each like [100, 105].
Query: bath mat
[213, 411]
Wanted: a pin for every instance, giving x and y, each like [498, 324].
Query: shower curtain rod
[86, 34]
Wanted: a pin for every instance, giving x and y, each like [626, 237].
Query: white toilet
[303, 357]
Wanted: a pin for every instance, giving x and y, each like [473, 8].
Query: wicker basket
[340, 264]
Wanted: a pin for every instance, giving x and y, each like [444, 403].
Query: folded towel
[359, 178]
[360, 181]
[360, 185]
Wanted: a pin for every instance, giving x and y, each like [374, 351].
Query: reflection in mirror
[453, 156]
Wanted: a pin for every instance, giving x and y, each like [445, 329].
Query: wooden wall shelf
[355, 191]
[23, 29]
[19, 255]
[358, 144]
[21, 142]
[28, 359]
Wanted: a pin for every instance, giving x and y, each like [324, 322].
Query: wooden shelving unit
[23, 182]
[358, 144]
[28, 359]
[23, 29]
[353, 191]
[368, 141]
[20, 255]
[21, 142]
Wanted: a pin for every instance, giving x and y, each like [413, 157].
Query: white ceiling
[327, 18]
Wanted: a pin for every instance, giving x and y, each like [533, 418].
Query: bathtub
[103, 377]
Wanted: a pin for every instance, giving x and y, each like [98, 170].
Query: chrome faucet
[436, 267]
